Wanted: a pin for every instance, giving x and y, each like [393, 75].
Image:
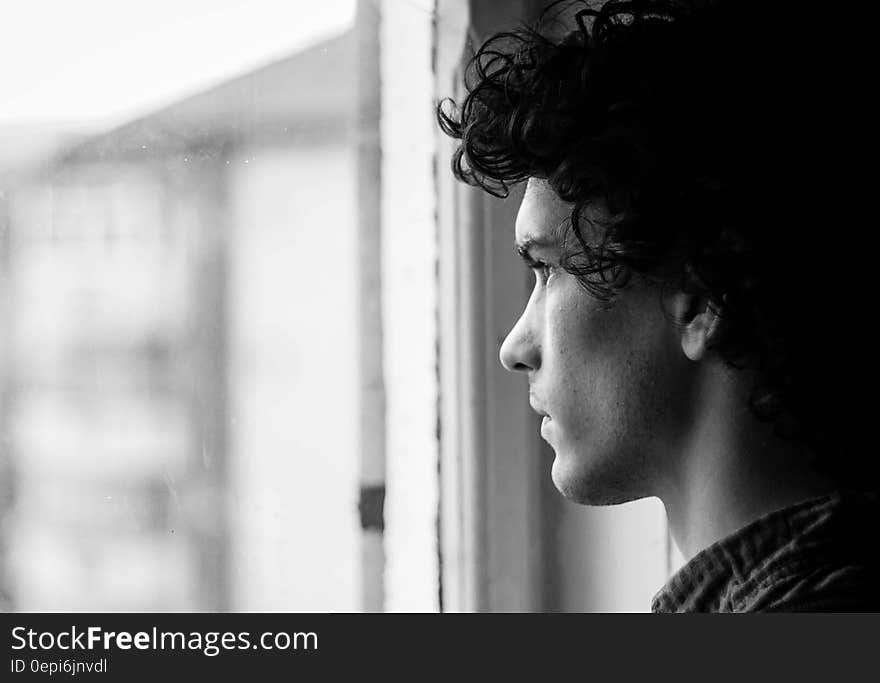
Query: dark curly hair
[703, 129]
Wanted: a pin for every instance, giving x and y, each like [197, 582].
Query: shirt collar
[712, 580]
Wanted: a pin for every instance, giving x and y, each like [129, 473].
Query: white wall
[610, 559]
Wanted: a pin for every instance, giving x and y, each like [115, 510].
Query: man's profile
[679, 339]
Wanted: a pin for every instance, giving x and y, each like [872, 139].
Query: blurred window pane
[179, 314]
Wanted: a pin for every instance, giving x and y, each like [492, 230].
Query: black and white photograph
[431, 306]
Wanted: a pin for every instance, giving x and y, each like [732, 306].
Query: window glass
[178, 306]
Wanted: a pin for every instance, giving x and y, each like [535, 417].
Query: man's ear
[699, 323]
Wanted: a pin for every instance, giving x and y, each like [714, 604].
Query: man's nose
[520, 351]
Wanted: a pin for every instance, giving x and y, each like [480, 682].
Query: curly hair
[687, 120]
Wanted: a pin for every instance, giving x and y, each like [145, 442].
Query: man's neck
[732, 470]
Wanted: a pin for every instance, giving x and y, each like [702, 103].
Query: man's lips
[545, 427]
[537, 407]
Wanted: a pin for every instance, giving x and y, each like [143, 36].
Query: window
[180, 385]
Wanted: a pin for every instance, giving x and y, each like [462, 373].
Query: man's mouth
[544, 424]
[536, 407]
[540, 412]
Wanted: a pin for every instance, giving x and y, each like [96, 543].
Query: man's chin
[588, 487]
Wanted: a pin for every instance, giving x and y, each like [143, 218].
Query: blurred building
[179, 381]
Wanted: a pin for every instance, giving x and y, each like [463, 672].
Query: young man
[689, 335]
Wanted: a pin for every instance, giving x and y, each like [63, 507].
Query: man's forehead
[541, 215]
[545, 220]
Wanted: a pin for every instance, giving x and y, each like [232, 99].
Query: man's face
[612, 381]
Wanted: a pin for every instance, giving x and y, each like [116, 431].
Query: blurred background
[179, 306]
[234, 295]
